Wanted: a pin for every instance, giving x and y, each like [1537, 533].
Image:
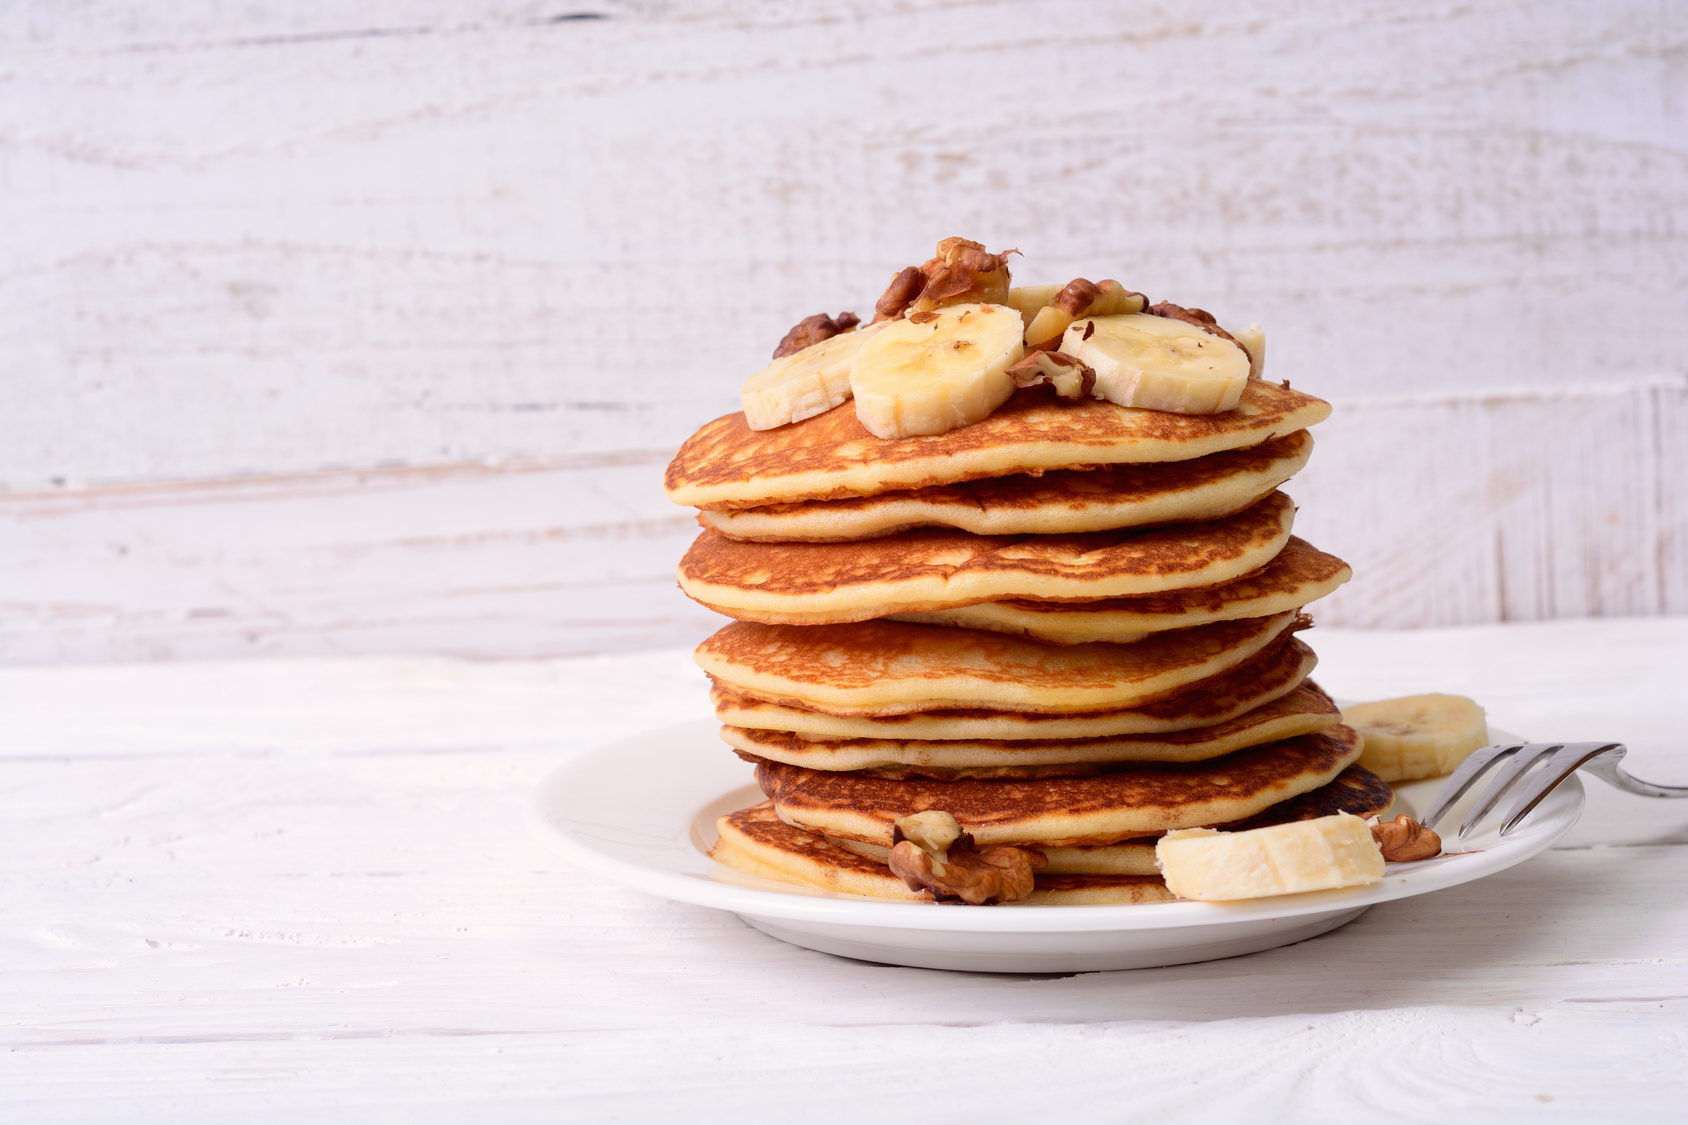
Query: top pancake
[1063, 502]
[726, 464]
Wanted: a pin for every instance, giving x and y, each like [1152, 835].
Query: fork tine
[1528, 755]
[1474, 767]
[1563, 762]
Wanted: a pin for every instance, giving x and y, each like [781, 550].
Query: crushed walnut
[930, 851]
[1080, 297]
[1201, 318]
[814, 329]
[1071, 379]
[961, 270]
[1404, 839]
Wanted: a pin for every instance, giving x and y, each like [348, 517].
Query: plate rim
[1545, 827]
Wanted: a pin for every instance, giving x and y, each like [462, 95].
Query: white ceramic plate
[642, 812]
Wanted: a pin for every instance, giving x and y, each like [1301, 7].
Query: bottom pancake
[756, 842]
[1356, 791]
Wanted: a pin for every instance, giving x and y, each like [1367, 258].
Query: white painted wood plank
[1506, 507]
[277, 240]
[575, 554]
[1455, 510]
[288, 888]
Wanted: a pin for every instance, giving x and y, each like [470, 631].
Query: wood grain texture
[1503, 507]
[1452, 510]
[286, 888]
[250, 240]
[531, 557]
[351, 293]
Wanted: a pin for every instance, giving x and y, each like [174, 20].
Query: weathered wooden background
[331, 328]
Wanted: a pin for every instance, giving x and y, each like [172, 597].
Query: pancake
[892, 668]
[1299, 575]
[1104, 809]
[1301, 712]
[1356, 790]
[756, 842]
[726, 464]
[1278, 671]
[1063, 502]
[930, 569]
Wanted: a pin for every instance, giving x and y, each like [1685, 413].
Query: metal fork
[1559, 760]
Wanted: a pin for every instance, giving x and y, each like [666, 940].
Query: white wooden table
[305, 890]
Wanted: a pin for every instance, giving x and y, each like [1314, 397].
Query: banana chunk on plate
[1417, 736]
[1159, 363]
[1284, 859]
[936, 371]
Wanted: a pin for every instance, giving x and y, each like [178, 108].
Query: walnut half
[1404, 839]
[961, 270]
[963, 872]
[814, 329]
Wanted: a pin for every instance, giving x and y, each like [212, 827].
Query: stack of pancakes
[1070, 625]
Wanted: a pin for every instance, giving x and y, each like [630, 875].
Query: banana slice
[1284, 859]
[1253, 340]
[1417, 735]
[803, 384]
[936, 371]
[1027, 299]
[1159, 363]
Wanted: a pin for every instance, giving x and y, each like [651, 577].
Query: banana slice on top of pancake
[1160, 362]
[936, 371]
[804, 383]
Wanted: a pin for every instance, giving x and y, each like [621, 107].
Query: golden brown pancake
[1277, 671]
[1060, 811]
[930, 569]
[1303, 711]
[726, 464]
[1063, 502]
[757, 842]
[1356, 791]
[891, 668]
[1299, 575]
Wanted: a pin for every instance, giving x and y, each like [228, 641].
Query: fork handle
[1607, 769]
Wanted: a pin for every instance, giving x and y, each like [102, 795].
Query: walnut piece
[932, 831]
[1075, 300]
[960, 271]
[905, 287]
[1071, 379]
[814, 329]
[1404, 839]
[961, 872]
[1201, 318]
